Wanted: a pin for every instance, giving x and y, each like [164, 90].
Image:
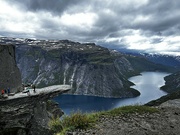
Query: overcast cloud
[150, 25]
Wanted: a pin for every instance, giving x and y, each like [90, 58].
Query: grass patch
[75, 121]
[129, 110]
[79, 120]
[55, 125]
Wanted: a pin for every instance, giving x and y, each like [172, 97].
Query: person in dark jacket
[5, 91]
[8, 91]
[34, 87]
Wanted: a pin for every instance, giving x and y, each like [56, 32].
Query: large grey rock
[10, 76]
[29, 115]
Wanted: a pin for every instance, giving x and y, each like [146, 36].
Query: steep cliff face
[172, 83]
[10, 76]
[89, 69]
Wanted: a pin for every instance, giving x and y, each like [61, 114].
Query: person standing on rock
[34, 87]
[5, 91]
[8, 91]
[23, 86]
[2, 91]
[28, 92]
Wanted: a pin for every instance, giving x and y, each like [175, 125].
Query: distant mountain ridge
[164, 59]
[90, 69]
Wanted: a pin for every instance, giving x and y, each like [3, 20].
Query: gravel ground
[165, 122]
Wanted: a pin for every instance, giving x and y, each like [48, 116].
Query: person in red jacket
[2, 92]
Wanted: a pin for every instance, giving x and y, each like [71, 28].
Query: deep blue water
[148, 84]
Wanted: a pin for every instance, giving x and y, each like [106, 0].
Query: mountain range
[90, 69]
[164, 59]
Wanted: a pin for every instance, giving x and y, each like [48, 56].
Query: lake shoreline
[90, 103]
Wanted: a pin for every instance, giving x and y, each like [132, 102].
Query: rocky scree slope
[10, 76]
[90, 69]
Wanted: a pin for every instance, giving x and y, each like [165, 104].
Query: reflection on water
[148, 84]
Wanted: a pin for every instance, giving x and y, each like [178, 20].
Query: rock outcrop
[10, 76]
[172, 83]
[30, 115]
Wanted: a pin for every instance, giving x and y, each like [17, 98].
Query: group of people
[26, 88]
[5, 92]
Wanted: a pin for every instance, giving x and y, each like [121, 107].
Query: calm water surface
[147, 83]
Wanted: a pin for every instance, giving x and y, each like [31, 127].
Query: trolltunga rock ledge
[49, 91]
[24, 114]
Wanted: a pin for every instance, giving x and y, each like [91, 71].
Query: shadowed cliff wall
[10, 76]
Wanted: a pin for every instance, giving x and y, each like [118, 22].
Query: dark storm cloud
[163, 15]
[108, 23]
[48, 23]
[53, 6]
[156, 40]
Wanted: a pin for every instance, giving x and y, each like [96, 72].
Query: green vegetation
[55, 53]
[101, 58]
[79, 120]
[75, 121]
[56, 125]
[129, 110]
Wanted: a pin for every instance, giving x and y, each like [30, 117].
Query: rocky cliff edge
[24, 114]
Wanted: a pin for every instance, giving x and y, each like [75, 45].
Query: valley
[90, 69]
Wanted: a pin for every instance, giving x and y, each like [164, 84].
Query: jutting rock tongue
[10, 76]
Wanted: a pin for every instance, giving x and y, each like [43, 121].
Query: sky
[148, 25]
